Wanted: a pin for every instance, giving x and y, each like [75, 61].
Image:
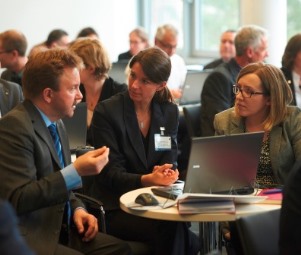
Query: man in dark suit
[10, 95]
[217, 94]
[35, 170]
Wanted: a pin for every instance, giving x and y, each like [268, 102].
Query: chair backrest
[259, 233]
[192, 118]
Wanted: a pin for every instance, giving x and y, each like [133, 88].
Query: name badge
[162, 143]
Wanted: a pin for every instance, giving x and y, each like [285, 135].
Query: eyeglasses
[168, 46]
[246, 92]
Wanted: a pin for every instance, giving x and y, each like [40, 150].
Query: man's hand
[86, 224]
[92, 162]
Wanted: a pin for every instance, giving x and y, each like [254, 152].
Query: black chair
[259, 233]
[95, 207]
[192, 118]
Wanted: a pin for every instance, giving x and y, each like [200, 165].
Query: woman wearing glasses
[262, 104]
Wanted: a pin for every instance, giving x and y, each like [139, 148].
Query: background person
[96, 83]
[226, 49]
[128, 123]
[36, 170]
[217, 94]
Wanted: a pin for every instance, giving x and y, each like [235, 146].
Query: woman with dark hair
[131, 125]
[291, 67]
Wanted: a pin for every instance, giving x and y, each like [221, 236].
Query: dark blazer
[217, 94]
[12, 76]
[115, 125]
[10, 95]
[110, 88]
[213, 64]
[125, 56]
[285, 139]
[290, 217]
[289, 78]
[30, 176]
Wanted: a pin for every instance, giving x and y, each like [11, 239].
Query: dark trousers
[165, 237]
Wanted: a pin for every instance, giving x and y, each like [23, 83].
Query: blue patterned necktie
[56, 140]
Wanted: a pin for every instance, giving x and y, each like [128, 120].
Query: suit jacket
[110, 88]
[289, 78]
[30, 176]
[9, 75]
[10, 95]
[285, 139]
[213, 64]
[125, 56]
[217, 94]
[115, 125]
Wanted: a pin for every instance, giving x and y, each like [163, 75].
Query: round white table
[209, 227]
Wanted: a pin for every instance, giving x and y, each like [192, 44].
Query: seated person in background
[262, 104]
[57, 38]
[138, 41]
[127, 123]
[13, 45]
[291, 67]
[36, 173]
[167, 39]
[217, 94]
[88, 32]
[290, 216]
[96, 84]
[11, 241]
[226, 49]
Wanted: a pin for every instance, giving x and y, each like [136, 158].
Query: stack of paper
[274, 196]
[190, 204]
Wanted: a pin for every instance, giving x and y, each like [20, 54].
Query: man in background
[251, 45]
[167, 39]
[13, 46]
[226, 49]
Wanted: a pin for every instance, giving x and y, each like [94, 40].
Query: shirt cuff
[71, 177]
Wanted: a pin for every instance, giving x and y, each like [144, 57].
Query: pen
[272, 191]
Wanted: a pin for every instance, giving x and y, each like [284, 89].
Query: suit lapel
[41, 129]
[132, 129]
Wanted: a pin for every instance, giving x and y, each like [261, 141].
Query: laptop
[193, 87]
[221, 165]
[76, 127]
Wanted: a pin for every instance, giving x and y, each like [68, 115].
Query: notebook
[220, 165]
[76, 127]
[193, 86]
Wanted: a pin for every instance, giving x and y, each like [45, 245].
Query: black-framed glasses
[246, 92]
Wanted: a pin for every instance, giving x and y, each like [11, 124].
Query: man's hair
[54, 36]
[293, 47]
[14, 40]
[248, 36]
[93, 54]
[45, 69]
[161, 31]
[85, 32]
[141, 33]
[275, 86]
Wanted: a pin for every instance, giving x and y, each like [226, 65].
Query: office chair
[259, 233]
[192, 118]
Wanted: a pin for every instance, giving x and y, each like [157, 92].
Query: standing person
[138, 39]
[35, 168]
[262, 104]
[13, 46]
[167, 39]
[291, 67]
[226, 49]
[128, 124]
[97, 85]
[217, 94]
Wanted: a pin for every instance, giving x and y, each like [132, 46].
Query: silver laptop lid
[223, 164]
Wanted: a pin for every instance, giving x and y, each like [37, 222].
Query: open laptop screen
[223, 164]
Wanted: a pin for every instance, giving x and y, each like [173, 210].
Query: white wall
[112, 19]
